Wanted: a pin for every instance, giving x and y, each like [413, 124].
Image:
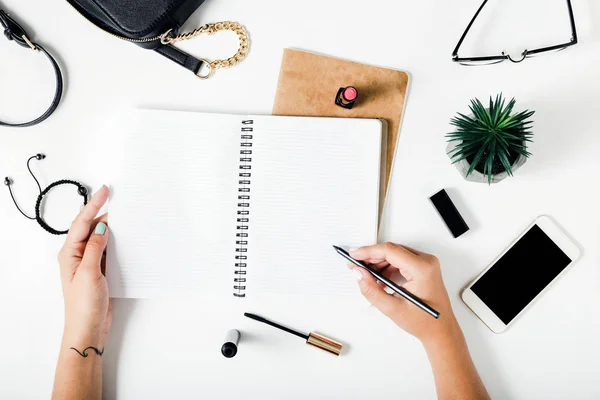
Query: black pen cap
[229, 348]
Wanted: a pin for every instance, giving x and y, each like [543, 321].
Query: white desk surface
[170, 349]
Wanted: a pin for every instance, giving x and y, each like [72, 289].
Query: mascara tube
[229, 348]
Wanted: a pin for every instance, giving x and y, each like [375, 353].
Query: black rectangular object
[526, 269]
[454, 221]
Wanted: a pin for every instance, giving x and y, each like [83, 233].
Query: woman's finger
[380, 265]
[394, 275]
[376, 266]
[94, 250]
[408, 262]
[80, 229]
[415, 251]
[102, 218]
[375, 294]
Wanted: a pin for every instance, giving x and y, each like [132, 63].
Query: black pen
[398, 289]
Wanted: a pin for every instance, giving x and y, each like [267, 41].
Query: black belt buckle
[15, 32]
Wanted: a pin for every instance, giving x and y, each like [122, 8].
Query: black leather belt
[13, 31]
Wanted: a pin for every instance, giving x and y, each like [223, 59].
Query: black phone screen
[521, 274]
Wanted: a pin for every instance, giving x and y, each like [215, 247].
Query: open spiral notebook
[216, 204]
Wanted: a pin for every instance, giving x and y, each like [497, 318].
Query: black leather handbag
[155, 25]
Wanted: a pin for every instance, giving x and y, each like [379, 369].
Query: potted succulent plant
[491, 143]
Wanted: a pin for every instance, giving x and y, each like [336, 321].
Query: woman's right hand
[423, 279]
[453, 370]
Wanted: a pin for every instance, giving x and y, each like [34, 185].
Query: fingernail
[100, 228]
[101, 187]
[353, 249]
[358, 273]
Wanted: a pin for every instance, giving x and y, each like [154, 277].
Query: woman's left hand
[85, 289]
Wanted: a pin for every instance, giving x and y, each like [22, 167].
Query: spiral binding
[243, 211]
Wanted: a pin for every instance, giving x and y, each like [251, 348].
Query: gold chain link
[211, 29]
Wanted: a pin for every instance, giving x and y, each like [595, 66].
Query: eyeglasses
[504, 56]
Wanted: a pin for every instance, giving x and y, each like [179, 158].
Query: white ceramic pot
[476, 176]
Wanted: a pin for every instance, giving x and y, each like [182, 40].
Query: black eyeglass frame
[526, 53]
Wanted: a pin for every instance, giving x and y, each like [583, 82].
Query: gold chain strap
[211, 29]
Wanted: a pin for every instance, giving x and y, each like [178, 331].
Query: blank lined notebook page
[315, 183]
[173, 205]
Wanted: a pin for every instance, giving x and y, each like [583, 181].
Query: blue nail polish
[100, 228]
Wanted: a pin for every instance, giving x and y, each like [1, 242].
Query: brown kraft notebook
[308, 84]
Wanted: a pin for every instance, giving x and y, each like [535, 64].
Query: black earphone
[81, 190]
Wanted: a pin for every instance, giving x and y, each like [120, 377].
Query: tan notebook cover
[308, 84]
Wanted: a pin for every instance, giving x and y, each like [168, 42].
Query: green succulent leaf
[491, 135]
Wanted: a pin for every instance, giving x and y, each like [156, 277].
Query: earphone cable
[8, 183]
[16, 205]
[34, 178]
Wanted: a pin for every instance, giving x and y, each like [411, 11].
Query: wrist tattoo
[84, 354]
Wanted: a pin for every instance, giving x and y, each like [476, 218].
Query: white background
[170, 349]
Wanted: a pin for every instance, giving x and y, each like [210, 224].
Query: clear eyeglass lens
[481, 62]
[547, 52]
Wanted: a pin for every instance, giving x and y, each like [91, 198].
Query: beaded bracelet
[82, 190]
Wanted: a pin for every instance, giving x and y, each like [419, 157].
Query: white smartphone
[521, 274]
